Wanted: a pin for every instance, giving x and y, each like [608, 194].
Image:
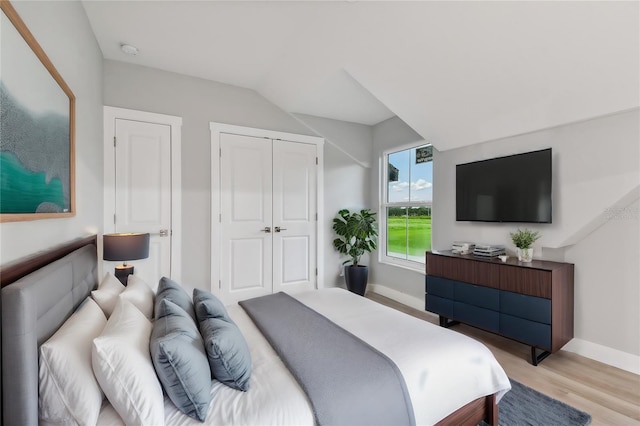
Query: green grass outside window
[419, 230]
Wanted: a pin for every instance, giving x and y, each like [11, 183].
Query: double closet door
[268, 216]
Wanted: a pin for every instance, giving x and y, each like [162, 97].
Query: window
[405, 214]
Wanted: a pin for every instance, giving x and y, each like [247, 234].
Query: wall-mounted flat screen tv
[516, 188]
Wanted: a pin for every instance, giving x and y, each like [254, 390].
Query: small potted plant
[356, 236]
[523, 240]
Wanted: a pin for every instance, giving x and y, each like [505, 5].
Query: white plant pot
[525, 255]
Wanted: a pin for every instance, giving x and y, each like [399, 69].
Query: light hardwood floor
[610, 395]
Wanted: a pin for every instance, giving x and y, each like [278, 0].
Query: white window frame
[382, 210]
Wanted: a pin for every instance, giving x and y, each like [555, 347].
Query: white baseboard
[398, 296]
[605, 354]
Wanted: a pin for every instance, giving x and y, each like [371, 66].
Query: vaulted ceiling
[458, 73]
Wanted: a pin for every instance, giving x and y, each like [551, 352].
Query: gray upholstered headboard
[33, 308]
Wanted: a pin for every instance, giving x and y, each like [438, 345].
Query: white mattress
[443, 369]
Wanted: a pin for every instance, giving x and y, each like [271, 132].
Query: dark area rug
[523, 406]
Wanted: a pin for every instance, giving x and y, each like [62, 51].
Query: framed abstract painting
[37, 128]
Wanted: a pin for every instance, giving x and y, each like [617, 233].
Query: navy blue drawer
[440, 306]
[440, 287]
[529, 332]
[477, 295]
[528, 307]
[473, 315]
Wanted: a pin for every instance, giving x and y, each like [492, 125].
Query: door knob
[278, 229]
[266, 229]
[164, 232]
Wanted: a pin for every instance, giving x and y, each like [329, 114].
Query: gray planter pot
[356, 278]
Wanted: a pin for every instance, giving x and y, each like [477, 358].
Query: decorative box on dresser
[528, 302]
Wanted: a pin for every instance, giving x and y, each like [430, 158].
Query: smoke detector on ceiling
[129, 49]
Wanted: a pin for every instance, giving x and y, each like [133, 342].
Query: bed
[451, 379]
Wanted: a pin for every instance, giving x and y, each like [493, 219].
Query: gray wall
[393, 133]
[607, 299]
[353, 139]
[198, 102]
[595, 218]
[62, 30]
[596, 222]
[347, 180]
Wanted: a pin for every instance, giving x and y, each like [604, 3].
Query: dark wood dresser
[528, 302]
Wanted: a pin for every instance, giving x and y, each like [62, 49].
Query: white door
[294, 211]
[245, 180]
[267, 216]
[143, 191]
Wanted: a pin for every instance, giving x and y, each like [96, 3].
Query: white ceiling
[458, 73]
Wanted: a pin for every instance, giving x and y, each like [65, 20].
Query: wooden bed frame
[15, 270]
[484, 408]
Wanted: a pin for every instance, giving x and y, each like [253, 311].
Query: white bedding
[443, 369]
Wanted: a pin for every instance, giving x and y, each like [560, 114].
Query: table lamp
[124, 247]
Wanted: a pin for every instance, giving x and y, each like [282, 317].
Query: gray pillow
[227, 351]
[171, 290]
[180, 361]
[207, 305]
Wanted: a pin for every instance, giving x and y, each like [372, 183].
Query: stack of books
[486, 250]
[461, 247]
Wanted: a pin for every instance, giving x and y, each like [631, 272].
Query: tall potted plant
[356, 233]
[523, 240]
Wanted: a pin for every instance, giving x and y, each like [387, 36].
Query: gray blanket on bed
[347, 381]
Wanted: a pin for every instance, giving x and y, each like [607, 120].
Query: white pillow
[111, 283]
[107, 293]
[140, 295]
[123, 367]
[69, 392]
[106, 300]
[109, 416]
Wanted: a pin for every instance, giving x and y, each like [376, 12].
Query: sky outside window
[414, 182]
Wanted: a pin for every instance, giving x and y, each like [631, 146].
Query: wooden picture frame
[37, 142]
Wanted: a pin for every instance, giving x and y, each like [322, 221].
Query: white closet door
[246, 217]
[294, 211]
